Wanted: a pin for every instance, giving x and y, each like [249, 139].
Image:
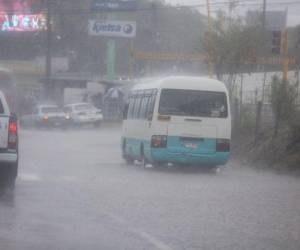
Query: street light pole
[285, 60]
[263, 52]
[48, 60]
[210, 56]
[264, 15]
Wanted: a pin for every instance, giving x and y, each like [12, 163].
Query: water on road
[75, 192]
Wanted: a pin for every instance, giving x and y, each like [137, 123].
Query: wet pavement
[75, 192]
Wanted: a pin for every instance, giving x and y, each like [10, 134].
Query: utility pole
[210, 52]
[285, 60]
[260, 104]
[111, 53]
[264, 47]
[264, 16]
[48, 60]
[131, 58]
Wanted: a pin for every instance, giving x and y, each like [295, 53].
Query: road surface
[75, 192]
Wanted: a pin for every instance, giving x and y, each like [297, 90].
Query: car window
[46, 110]
[35, 111]
[1, 108]
[82, 107]
[67, 109]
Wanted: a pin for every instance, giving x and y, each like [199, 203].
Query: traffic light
[276, 42]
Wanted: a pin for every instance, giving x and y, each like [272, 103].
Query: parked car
[8, 143]
[84, 113]
[45, 116]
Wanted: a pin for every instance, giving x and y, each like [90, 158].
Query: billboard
[112, 28]
[21, 16]
[114, 5]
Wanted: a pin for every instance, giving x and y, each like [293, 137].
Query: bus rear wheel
[144, 161]
[215, 170]
[158, 165]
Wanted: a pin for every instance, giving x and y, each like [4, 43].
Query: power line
[241, 3]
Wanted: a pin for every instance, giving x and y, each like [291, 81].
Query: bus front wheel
[129, 160]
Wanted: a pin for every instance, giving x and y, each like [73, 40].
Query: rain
[151, 124]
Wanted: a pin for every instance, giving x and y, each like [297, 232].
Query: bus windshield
[193, 103]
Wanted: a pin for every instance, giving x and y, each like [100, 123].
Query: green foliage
[294, 40]
[247, 119]
[234, 43]
[283, 99]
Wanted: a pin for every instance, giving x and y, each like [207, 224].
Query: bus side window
[137, 107]
[1, 108]
[125, 111]
[130, 108]
[150, 107]
[140, 112]
[144, 104]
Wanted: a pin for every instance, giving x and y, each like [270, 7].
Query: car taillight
[45, 118]
[159, 141]
[223, 145]
[12, 134]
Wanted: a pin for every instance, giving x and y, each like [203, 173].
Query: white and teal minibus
[178, 120]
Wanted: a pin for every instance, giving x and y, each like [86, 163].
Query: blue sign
[112, 28]
[114, 5]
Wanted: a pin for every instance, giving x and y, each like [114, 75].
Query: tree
[283, 97]
[295, 51]
[234, 44]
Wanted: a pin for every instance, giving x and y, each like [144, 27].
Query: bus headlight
[159, 141]
[223, 145]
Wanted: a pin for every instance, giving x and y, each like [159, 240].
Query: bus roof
[183, 82]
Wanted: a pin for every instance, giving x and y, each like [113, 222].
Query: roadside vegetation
[276, 145]
[267, 131]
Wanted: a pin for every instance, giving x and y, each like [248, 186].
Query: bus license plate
[190, 145]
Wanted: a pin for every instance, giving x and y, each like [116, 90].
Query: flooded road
[75, 192]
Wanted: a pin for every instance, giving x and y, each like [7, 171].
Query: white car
[84, 113]
[45, 116]
[8, 143]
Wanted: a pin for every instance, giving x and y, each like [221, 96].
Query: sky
[292, 5]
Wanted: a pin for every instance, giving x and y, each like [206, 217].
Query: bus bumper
[164, 156]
